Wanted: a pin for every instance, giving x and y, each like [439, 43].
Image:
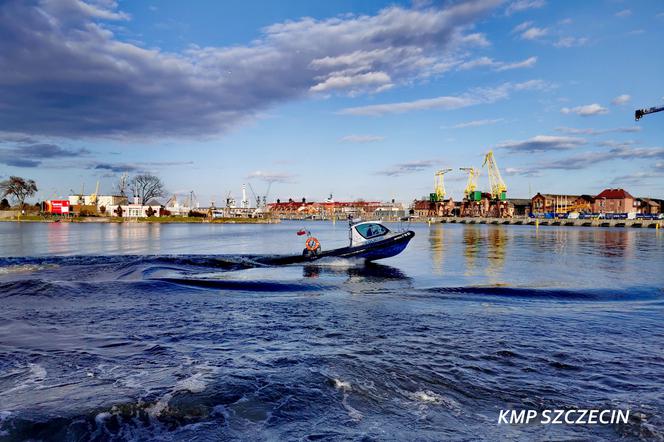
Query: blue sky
[360, 99]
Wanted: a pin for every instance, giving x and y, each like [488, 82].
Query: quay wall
[635, 223]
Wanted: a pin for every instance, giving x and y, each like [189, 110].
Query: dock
[635, 223]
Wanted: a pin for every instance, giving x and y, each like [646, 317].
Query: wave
[251, 286]
[641, 293]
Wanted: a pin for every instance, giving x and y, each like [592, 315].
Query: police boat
[369, 240]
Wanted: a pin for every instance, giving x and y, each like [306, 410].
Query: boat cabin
[367, 231]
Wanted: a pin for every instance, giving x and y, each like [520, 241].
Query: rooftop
[614, 194]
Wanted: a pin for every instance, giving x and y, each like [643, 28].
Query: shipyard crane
[498, 187]
[261, 200]
[256, 197]
[81, 199]
[192, 199]
[639, 113]
[93, 197]
[439, 185]
[230, 201]
[471, 184]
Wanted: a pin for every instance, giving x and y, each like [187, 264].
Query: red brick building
[426, 208]
[614, 201]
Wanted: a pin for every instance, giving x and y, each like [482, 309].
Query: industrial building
[560, 203]
[330, 209]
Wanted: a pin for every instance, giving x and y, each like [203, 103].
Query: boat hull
[371, 251]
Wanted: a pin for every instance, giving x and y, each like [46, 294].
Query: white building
[134, 210]
[107, 201]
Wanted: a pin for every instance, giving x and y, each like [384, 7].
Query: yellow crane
[93, 197]
[439, 185]
[471, 185]
[498, 187]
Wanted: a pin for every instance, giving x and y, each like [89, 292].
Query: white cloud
[534, 33]
[542, 143]
[375, 80]
[614, 143]
[408, 106]
[274, 177]
[585, 111]
[478, 62]
[577, 131]
[522, 27]
[621, 99]
[409, 167]
[362, 138]
[624, 13]
[477, 123]
[101, 85]
[497, 65]
[523, 5]
[473, 97]
[568, 42]
[527, 63]
[520, 171]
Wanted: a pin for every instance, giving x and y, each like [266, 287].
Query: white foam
[37, 372]
[345, 263]
[35, 375]
[195, 383]
[341, 385]
[102, 417]
[21, 268]
[352, 412]
[427, 396]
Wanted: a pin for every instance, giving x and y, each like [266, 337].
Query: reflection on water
[472, 240]
[437, 244]
[484, 249]
[352, 270]
[497, 244]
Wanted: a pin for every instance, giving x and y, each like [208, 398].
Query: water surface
[173, 332]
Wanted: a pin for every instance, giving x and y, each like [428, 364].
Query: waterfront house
[649, 206]
[553, 203]
[614, 201]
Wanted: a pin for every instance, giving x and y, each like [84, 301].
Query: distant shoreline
[153, 220]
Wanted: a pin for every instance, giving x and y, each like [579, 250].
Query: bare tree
[146, 186]
[18, 188]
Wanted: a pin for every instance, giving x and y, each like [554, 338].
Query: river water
[181, 332]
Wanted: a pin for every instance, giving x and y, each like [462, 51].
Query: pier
[635, 223]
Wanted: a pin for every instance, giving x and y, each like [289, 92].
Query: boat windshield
[371, 230]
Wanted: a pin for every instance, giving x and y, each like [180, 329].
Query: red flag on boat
[301, 232]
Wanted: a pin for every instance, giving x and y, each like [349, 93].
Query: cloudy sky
[361, 99]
